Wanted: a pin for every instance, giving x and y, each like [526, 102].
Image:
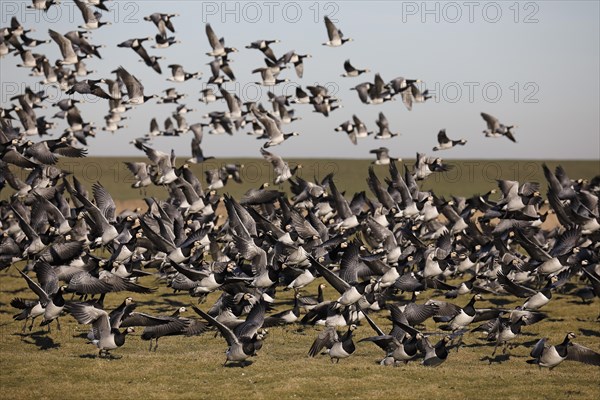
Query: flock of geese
[372, 248]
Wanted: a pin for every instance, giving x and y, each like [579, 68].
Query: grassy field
[61, 365]
[467, 177]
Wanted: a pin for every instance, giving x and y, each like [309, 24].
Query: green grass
[62, 365]
[467, 177]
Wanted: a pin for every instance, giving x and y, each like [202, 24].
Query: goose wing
[338, 283]
[326, 339]
[332, 31]
[492, 122]
[577, 352]
[225, 331]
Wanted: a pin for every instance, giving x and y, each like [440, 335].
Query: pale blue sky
[543, 56]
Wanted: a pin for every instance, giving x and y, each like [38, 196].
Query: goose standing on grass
[444, 143]
[545, 355]
[495, 129]
[336, 37]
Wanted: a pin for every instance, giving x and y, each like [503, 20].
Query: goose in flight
[336, 37]
[445, 143]
[352, 72]
[495, 129]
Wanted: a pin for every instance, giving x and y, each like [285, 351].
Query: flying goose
[164, 162]
[495, 129]
[352, 72]
[106, 338]
[162, 42]
[162, 22]
[397, 344]
[338, 345]
[140, 171]
[336, 37]
[383, 157]
[349, 293]
[179, 75]
[545, 355]
[30, 309]
[43, 5]
[133, 43]
[103, 231]
[505, 330]
[280, 167]
[535, 299]
[66, 48]
[208, 96]
[435, 355]
[268, 78]
[91, 18]
[240, 348]
[384, 129]
[50, 296]
[156, 327]
[291, 57]
[263, 45]
[272, 129]
[456, 317]
[218, 45]
[444, 143]
[425, 166]
[135, 90]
